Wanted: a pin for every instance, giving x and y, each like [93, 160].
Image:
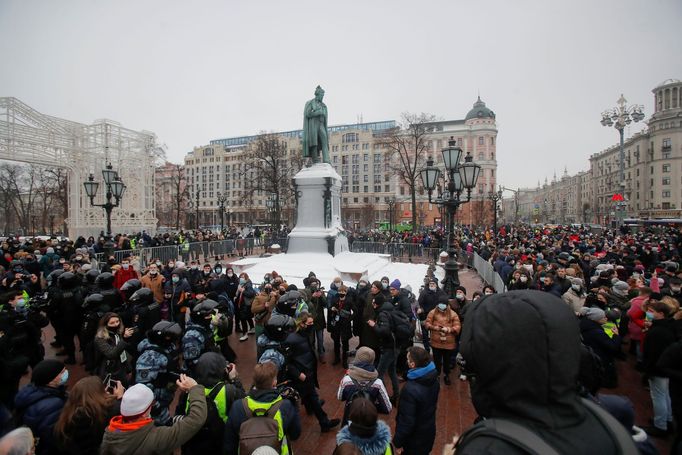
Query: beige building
[368, 184]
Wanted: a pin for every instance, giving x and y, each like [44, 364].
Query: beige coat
[447, 319]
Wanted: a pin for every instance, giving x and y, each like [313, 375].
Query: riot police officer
[94, 308]
[105, 285]
[199, 333]
[157, 366]
[68, 304]
[89, 286]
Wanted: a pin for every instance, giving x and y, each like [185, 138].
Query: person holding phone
[111, 345]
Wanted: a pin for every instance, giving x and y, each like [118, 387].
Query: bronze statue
[315, 140]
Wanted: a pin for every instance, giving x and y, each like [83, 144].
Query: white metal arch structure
[29, 136]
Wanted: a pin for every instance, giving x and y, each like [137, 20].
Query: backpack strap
[508, 431]
[618, 432]
[273, 406]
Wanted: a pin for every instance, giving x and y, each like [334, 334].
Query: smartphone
[173, 375]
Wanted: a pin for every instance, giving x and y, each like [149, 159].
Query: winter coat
[109, 353]
[574, 300]
[122, 276]
[415, 429]
[155, 283]
[39, 408]
[593, 335]
[437, 319]
[232, 283]
[262, 307]
[150, 439]
[316, 306]
[428, 300]
[368, 336]
[659, 337]
[300, 356]
[243, 300]
[341, 315]
[534, 386]
[637, 316]
[383, 326]
[401, 302]
[670, 365]
[373, 445]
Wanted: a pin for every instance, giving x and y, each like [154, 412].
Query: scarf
[416, 373]
[363, 372]
[118, 425]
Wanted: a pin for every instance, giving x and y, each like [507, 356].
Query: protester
[369, 434]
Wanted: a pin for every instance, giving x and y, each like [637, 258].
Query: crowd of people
[163, 375]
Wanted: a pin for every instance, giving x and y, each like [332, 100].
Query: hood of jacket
[210, 369]
[374, 445]
[523, 348]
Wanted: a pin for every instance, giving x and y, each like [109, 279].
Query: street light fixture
[461, 176]
[222, 199]
[391, 207]
[619, 117]
[495, 197]
[115, 189]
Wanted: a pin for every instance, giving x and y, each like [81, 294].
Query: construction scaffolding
[29, 136]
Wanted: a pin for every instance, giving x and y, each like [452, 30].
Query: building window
[665, 181]
[480, 140]
[350, 137]
[666, 168]
[366, 190]
[666, 193]
[492, 141]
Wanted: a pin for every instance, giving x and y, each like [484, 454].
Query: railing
[488, 274]
[413, 252]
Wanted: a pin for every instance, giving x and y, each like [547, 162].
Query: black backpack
[209, 439]
[402, 326]
[361, 390]
[525, 439]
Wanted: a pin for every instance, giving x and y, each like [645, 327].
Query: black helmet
[143, 296]
[130, 287]
[53, 276]
[164, 331]
[68, 280]
[93, 301]
[105, 280]
[203, 309]
[91, 276]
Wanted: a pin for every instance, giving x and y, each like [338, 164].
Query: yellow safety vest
[219, 400]
[254, 405]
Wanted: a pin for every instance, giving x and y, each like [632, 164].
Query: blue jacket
[415, 429]
[39, 408]
[374, 445]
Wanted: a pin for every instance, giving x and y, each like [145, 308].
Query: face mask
[20, 306]
[171, 265]
[488, 293]
[384, 285]
[158, 263]
[576, 287]
[675, 290]
[207, 272]
[79, 258]
[342, 296]
[523, 279]
[361, 285]
[528, 267]
[230, 274]
[242, 281]
[153, 272]
[313, 287]
[64, 378]
[442, 306]
[433, 288]
[194, 267]
[267, 290]
[649, 315]
[176, 279]
[112, 328]
[126, 266]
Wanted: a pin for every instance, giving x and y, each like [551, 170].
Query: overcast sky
[196, 71]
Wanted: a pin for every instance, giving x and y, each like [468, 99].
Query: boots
[344, 360]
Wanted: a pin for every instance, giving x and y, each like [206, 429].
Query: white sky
[196, 71]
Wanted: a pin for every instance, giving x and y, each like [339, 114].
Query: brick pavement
[455, 411]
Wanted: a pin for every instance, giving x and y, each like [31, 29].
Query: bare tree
[268, 168]
[8, 174]
[407, 147]
[60, 192]
[367, 216]
[180, 192]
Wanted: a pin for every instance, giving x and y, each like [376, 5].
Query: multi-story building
[359, 155]
[652, 169]
[171, 195]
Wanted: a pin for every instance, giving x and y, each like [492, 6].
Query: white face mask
[523, 279]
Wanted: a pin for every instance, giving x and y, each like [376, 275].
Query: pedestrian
[444, 327]
[382, 324]
[111, 349]
[369, 434]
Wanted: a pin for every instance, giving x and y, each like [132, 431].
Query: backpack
[361, 391]
[209, 438]
[260, 428]
[402, 326]
[528, 441]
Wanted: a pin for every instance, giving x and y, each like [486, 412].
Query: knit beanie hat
[46, 371]
[593, 314]
[136, 400]
[396, 284]
[364, 355]
[265, 450]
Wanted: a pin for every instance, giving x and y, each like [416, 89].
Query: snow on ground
[351, 267]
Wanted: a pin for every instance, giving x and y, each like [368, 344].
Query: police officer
[143, 313]
[105, 285]
[199, 333]
[89, 286]
[94, 307]
[157, 366]
[68, 303]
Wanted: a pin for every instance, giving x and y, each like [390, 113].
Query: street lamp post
[51, 225]
[196, 210]
[114, 189]
[619, 117]
[222, 199]
[270, 204]
[495, 197]
[391, 207]
[461, 176]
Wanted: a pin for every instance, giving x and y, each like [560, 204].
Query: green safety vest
[133, 242]
[220, 400]
[608, 329]
[254, 405]
[185, 246]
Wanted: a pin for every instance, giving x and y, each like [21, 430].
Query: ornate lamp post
[495, 197]
[461, 176]
[270, 204]
[115, 188]
[619, 117]
[222, 199]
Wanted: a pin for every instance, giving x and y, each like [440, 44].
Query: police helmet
[93, 301]
[143, 296]
[205, 308]
[68, 280]
[91, 276]
[130, 287]
[105, 279]
[164, 330]
[53, 276]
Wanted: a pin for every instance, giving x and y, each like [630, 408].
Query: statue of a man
[315, 141]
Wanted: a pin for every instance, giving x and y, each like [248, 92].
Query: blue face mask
[442, 306]
[21, 306]
[176, 279]
[649, 315]
[65, 378]
[242, 281]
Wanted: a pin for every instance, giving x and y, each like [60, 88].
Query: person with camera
[111, 345]
[263, 399]
[20, 342]
[339, 324]
[222, 388]
[133, 431]
[317, 302]
[302, 369]
[157, 366]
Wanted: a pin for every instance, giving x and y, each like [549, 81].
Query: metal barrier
[488, 274]
[411, 251]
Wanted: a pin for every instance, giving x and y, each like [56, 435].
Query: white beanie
[136, 400]
[265, 450]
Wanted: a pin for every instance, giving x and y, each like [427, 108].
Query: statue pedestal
[318, 212]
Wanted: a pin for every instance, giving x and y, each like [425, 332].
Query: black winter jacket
[383, 326]
[659, 337]
[415, 429]
[39, 408]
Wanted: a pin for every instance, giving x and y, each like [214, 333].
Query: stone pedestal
[318, 212]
